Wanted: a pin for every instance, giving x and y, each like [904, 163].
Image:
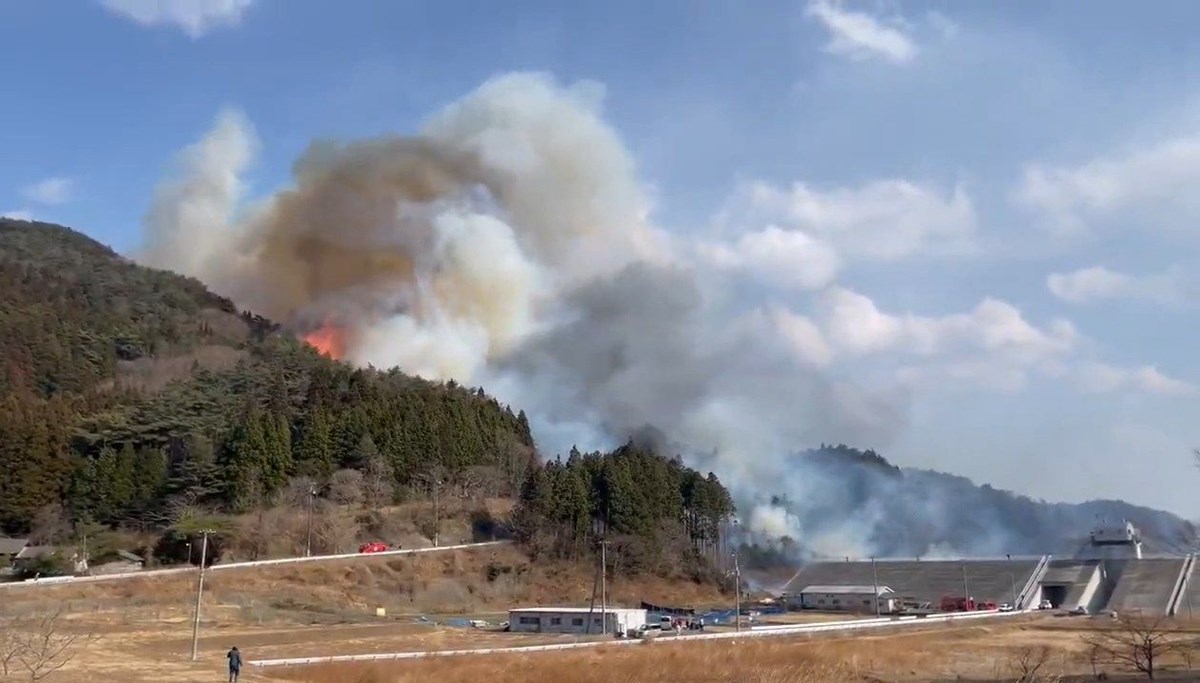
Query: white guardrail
[754, 632]
[154, 573]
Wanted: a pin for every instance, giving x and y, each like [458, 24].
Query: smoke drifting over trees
[508, 243]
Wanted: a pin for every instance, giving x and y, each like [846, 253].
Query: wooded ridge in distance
[135, 398]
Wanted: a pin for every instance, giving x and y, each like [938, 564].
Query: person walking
[235, 664]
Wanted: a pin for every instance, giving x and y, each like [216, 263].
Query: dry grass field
[151, 644]
[144, 625]
[945, 653]
[144, 629]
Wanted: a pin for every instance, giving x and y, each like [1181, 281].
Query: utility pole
[875, 586]
[199, 594]
[737, 593]
[312, 499]
[1012, 582]
[966, 591]
[604, 587]
[436, 511]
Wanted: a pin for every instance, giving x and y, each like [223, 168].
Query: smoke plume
[508, 244]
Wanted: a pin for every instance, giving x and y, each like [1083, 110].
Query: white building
[846, 598]
[574, 620]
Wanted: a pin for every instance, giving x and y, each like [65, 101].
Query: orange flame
[329, 340]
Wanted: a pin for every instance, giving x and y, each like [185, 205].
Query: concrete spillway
[924, 580]
[1143, 586]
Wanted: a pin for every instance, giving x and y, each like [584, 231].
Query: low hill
[135, 399]
[128, 393]
[857, 503]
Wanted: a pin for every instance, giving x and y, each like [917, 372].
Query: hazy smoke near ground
[854, 504]
[508, 244]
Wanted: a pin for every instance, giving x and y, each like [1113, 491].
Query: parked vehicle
[1005, 607]
[1045, 604]
[956, 603]
[373, 547]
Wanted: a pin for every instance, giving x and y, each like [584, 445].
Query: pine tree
[149, 476]
[277, 464]
[315, 453]
[244, 462]
[121, 485]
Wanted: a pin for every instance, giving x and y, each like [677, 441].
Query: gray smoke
[508, 244]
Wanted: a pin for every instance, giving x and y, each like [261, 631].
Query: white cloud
[859, 36]
[1097, 283]
[1102, 378]
[50, 191]
[787, 258]
[19, 215]
[1159, 177]
[992, 346]
[193, 17]
[882, 220]
[855, 324]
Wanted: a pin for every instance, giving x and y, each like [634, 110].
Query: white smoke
[509, 245]
[191, 221]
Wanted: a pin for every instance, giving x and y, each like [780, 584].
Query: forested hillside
[659, 515]
[136, 399]
[127, 393]
[869, 506]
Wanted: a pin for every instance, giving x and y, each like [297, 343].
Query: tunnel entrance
[1057, 595]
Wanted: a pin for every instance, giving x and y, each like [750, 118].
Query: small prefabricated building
[847, 598]
[575, 620]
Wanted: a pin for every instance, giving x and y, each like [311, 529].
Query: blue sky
[1028, 167]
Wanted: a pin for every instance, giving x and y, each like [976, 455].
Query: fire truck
[957, 603]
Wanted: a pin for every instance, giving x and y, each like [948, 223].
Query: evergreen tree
[277, 463]
[244, 462]
[315, 453]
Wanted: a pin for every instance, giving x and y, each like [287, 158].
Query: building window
[529, 620]
[596, 621]
[867, 603]
[577, 621]
[556, 621]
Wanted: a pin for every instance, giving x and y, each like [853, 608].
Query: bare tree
[51, 525]
[1028, 663]
[39, 646]
[297, 491]
[378, 482]
[336, 531]
[481, 481]
[10, 645]
[260, 530]
[346, 487]
[1139, 643]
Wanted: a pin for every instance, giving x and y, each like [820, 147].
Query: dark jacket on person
[235, 659]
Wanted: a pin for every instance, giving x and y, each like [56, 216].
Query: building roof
[847, 590]
[575, 610]
[128, 556]
[30, 552]
[12, 546]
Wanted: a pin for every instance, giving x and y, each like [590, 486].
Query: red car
[373, 547]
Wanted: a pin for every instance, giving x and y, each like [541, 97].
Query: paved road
[758, 632]
[60, 580]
